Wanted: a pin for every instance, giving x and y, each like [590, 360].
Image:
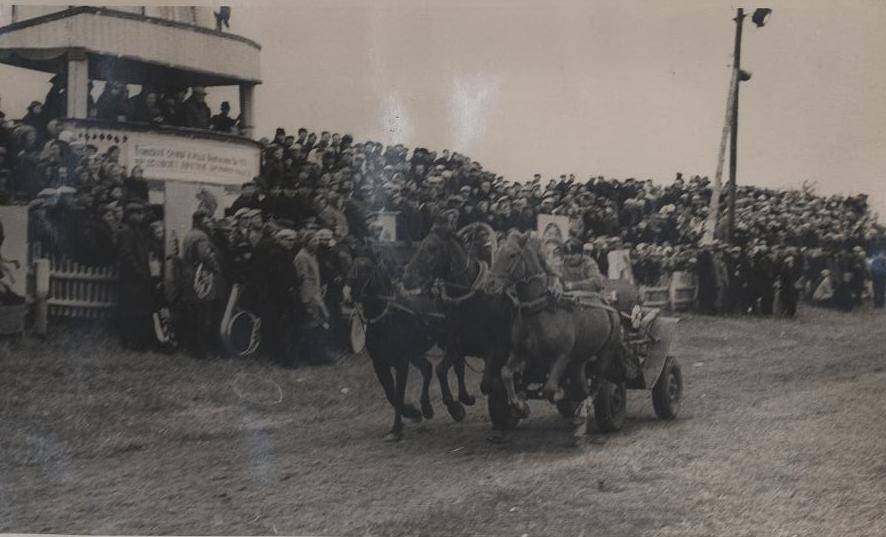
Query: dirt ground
[781, 433]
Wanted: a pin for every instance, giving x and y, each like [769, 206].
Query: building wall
[197, 15]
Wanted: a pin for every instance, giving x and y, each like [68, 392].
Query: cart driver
[581, 275]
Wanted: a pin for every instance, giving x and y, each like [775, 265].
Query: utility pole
[733, 138]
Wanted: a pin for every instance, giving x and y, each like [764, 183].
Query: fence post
[41, 317]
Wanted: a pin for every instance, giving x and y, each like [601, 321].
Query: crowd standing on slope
[289, 237]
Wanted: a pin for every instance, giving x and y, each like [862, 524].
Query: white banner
[206, 161]
[553, 226]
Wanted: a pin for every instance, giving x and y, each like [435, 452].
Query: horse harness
[548, 301]
[391, 304]
[477, 285]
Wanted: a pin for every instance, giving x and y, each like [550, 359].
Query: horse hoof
[456, 410]
[427, 410]
[520, 410]
[467, 399]
[410, 412]
[498, 438]
[394, 436]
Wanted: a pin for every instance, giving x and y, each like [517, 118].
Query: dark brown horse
[477, 324]
[546, 336]
[397, 334]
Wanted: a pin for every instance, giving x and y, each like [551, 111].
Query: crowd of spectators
[312, 204]
[784, 240]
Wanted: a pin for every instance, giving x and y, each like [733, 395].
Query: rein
[390, 303]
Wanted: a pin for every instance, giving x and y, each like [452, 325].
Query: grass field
[782, 433]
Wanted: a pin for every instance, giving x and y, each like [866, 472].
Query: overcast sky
[626, 89]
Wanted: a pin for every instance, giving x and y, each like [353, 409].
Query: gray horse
[567, 341]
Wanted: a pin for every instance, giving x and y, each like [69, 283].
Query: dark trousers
[789, 303]
[136, 330]
[201, 328]
[767, 298]
[707, 297]
[879, 291]
[312, 346]
[135, 313]
[281, 336]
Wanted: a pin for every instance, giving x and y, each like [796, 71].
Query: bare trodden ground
[782, 433]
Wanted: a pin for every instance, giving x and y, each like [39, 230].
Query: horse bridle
[479, 281]
[511, 288]
[390, 301]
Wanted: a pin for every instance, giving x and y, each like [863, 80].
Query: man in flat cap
[314, 313]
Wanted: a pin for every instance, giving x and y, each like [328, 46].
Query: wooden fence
[65, 288]
[679, 294]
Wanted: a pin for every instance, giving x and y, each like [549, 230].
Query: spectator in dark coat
[56, 102]
[223, 121]
[135, 303]
[147, 109]
[135, 186]
[203, 287]
[275, 283]
[113, 103]
[195, 111]
[788, 275]
[34, 117]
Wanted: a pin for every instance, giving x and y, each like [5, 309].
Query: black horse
[396, 335]
[477, 324]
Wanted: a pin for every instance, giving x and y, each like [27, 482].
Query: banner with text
[206, 161]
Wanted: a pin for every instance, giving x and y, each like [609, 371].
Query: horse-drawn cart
[648, 337]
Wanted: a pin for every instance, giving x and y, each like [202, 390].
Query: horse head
[517, 265]
[365, 280]
[438, 257]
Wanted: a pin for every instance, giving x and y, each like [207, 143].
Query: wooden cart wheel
[668, 390]
[610, 406]
[499, 409]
